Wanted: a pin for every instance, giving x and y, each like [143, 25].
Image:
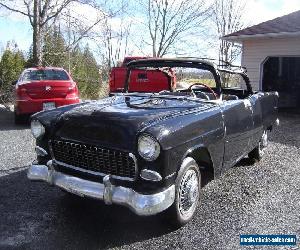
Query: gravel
[16, 144]
[251, 198]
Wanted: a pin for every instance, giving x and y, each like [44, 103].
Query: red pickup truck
[141, 80]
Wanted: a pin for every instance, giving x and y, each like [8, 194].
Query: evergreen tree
[54, 49]
[11, 66]
[30, 61]
[86, 72]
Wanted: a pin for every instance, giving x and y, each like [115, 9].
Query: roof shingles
[286, 24]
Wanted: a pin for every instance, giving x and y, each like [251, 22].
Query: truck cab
[155, 80]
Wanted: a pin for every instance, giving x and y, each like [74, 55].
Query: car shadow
[35, 215]
[7, 121]
[245, 162]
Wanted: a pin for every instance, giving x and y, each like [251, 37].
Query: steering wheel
[204, 85]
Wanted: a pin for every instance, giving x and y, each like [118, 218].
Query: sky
[262, 10]
[16, 27]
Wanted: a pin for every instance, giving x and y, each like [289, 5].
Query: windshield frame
[185, 63]
[242, 74]
[172, 63]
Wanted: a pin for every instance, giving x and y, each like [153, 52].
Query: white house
[271, 54]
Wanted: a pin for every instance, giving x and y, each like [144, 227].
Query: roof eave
[241, 38]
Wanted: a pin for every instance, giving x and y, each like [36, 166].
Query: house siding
[255, 52]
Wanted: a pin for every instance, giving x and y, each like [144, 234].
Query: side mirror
[14, 82]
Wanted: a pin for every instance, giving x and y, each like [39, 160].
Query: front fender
[182, 135]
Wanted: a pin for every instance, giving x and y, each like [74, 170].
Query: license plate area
[48, 105]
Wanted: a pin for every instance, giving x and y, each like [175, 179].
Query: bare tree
[228, 18]
[116, 42]
[41, 14]
[170, 20]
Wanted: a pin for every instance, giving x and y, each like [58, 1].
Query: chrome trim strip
[93, 172]
[140, 204]
[170, 175]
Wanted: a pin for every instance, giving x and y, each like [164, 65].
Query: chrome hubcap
[188, 192]
[193, 192]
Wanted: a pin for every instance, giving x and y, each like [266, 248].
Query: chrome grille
[95, 159]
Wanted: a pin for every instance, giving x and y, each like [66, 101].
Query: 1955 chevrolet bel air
[152, 152]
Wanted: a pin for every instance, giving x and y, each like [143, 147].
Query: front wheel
[187, 192]
[258, 152]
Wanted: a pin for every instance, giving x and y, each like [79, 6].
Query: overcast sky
[15, 27]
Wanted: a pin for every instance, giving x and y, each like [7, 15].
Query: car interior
[204, 86]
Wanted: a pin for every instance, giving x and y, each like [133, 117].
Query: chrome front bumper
[141, 204]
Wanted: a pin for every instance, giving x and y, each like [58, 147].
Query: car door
[238, 123]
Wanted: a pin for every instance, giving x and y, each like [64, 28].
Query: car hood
[117, 120]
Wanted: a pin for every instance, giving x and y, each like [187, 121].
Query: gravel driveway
[251, 198]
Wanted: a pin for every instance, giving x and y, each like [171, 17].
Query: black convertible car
[152, 152]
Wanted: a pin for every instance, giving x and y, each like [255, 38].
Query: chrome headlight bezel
[37, 129]
[148, 147]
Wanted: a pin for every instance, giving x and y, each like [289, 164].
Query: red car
[43, 88]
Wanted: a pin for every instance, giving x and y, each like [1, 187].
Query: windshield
[231, 80]
[49, 74]
[150, 79]
[186, 77]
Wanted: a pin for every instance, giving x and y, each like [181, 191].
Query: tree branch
[15, 10]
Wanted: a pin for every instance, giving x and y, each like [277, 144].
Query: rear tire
[187, 192]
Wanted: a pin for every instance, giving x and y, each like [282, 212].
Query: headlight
[37, 129]
[148, 147]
